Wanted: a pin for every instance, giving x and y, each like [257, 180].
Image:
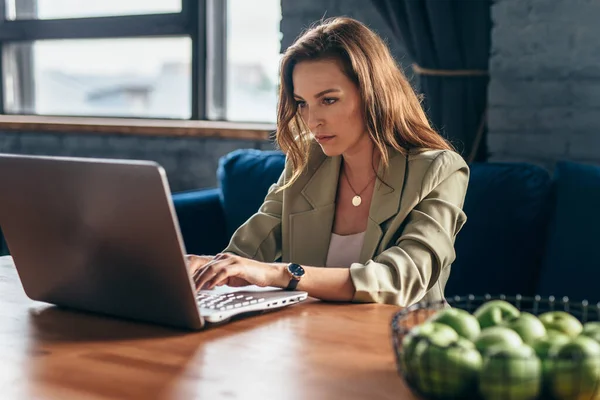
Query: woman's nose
[315, 119]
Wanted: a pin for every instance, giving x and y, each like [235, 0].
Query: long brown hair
[393, 113]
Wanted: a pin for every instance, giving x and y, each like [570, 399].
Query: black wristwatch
[296, 273]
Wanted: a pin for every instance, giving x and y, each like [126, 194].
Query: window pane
[253, 45]
[103, 77]
[58, 9]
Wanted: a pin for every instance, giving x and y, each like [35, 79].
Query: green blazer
[413, 222]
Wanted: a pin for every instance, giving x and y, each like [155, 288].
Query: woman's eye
[329, 100]
[300, 104]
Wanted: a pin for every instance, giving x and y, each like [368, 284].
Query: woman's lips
[324, 138]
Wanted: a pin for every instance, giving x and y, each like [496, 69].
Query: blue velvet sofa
[528, 231]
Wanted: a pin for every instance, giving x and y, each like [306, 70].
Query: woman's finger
[219, 277]
[209, 272]
[198, 271]
[203, 268]
[234, 270]
[203, 275]
[196, 264]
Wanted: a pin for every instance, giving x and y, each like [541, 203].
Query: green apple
[495, 335]
[575, 369]
[465, 324]
[432, 332]
[528, 326]
[542, 348]
[561, 321]
[543, 344]
[511, 372]
[592, 330]
[494, 312]
[450, 371]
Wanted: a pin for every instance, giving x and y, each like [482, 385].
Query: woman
[369, 190]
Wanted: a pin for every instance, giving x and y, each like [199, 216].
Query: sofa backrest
[501, 246]
[244, 177]
[572, 266]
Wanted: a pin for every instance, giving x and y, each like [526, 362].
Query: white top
[344, 249]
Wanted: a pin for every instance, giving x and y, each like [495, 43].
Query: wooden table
[311, 351]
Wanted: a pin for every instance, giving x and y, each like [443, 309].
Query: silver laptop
[102, 236]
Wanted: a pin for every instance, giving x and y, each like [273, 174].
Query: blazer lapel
[311, 230]
[384, 204]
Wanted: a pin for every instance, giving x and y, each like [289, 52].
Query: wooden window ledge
[142, 127]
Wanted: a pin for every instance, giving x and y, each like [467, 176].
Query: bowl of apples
[499, 347]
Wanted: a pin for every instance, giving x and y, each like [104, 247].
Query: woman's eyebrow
[321, 93]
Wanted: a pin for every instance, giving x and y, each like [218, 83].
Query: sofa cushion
[500, 248]
[198, 208]
[572, 267]
[245, 176]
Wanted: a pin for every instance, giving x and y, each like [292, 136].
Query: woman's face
[330, 105]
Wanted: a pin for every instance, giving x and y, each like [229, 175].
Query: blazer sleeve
[403, 273]
[259, 238]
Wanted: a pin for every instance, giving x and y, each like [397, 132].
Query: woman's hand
[232, 270]
[195, 262]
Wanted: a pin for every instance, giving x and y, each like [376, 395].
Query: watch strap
[293, 284]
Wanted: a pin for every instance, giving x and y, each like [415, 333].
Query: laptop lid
[97, 235]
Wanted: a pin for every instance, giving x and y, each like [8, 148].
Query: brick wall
[544, 94]
[190, 163]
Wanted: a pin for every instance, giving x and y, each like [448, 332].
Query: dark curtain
[449, 41]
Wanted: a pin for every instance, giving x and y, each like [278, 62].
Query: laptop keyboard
[228, 301]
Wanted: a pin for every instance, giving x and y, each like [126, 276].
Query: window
[183, 59]
[148, 77]
[57, 9]
[253, 42]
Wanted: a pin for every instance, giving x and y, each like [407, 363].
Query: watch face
[296, 270]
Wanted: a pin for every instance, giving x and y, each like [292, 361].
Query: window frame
[200, 20]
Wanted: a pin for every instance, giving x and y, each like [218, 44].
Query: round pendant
[356, 200]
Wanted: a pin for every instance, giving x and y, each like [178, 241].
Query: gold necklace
[357, 200]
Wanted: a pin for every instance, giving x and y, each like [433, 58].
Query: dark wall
[544, 93]
[190, 163]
